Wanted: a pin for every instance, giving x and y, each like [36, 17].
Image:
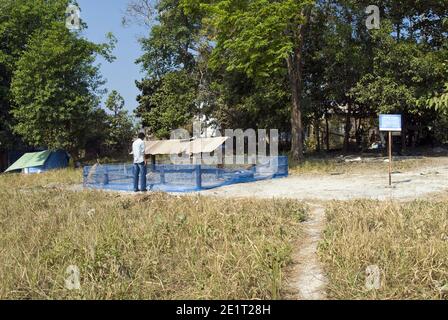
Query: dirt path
[307, 280]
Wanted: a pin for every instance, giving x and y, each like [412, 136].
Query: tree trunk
[359, 135]
[327, 129]
[317, 133]
[294, 62]
[296, 120]
[404, 133]
[348, 127]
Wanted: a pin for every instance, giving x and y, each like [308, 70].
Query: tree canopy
[50, 85]
[292, 65]
[54, 89]
[20, 20]
[288, 64]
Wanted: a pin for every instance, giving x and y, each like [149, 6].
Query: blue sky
[103, 16]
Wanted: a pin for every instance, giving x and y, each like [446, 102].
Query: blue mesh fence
[182, 178]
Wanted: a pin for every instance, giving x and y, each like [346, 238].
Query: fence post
[162, 174]
[254, 169]
[106, 176]
[198, 176]
[153, 163]
[84, 176]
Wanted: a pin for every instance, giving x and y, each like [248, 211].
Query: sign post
[390, 123]
[390, 158]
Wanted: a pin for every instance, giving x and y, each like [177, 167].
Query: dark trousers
[140, 170]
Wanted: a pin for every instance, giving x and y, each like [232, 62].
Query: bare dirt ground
[413, 184]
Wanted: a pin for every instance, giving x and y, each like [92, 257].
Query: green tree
[246, 59]
[19, 21]
[115, 103]
[347, 51]
[167, 103]
[173, 40]
[55, 88]
[261, 38]
[407, 67]
[121, 128]
[169, 91]
[440, 101]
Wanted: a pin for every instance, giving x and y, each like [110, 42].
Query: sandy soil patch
[413, 184]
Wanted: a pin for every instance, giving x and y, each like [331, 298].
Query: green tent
[40, 161]
[28, 160]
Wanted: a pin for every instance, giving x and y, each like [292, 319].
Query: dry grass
[336, 166]
[409, 242]
[150, 247]
[51, 179]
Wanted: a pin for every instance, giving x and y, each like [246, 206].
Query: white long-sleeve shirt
[138, 150]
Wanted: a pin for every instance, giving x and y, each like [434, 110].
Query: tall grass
[151, 246]
[409, 243]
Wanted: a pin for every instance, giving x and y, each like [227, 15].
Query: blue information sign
[390, 122]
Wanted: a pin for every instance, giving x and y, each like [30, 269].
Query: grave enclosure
[183, 178]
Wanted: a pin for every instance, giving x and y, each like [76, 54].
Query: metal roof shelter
[196, 146]
[185, 177]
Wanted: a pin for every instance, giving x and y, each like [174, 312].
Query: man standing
[138, 149]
